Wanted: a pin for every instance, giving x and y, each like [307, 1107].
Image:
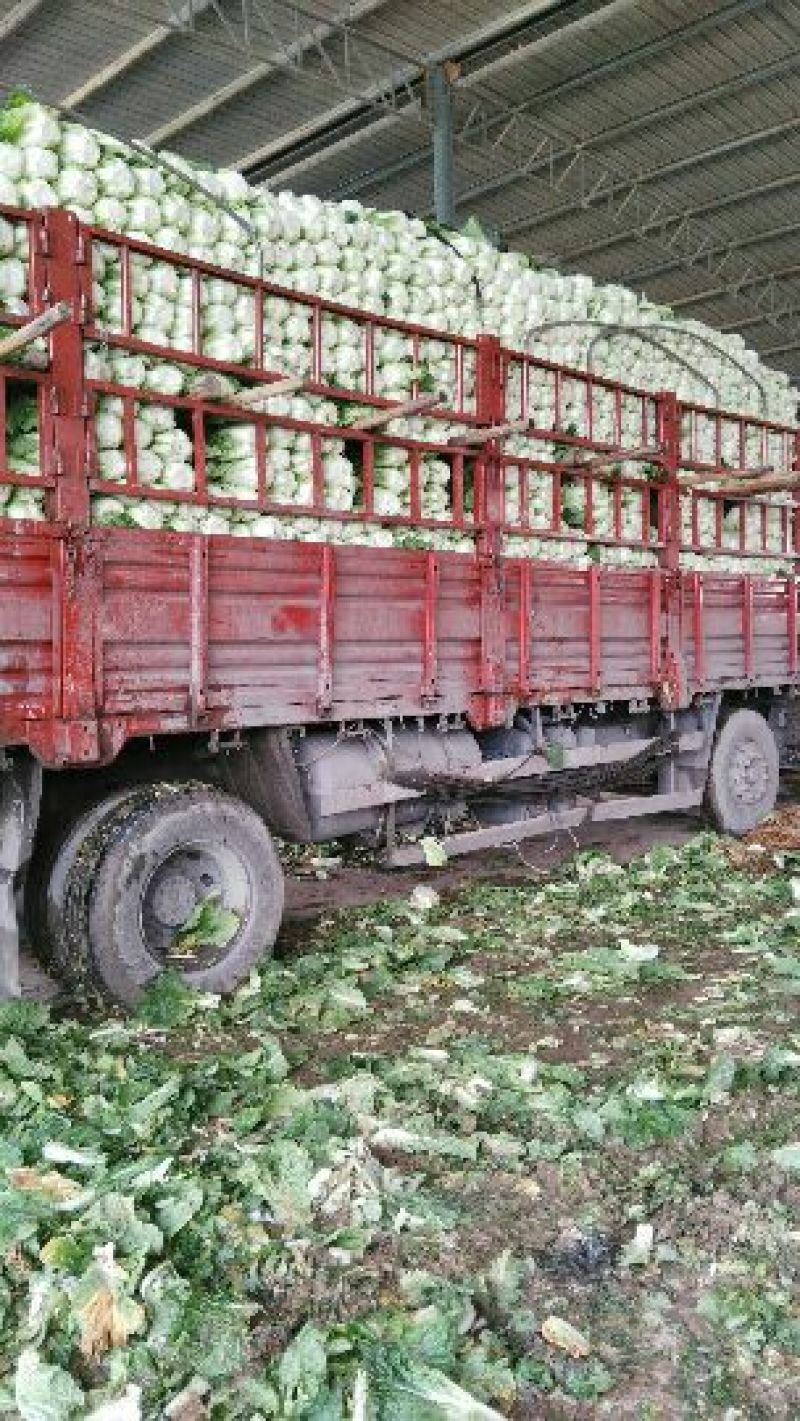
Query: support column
[440, 88]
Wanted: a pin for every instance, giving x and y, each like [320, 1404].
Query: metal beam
[131, 56]
[17, 15]
[243, 33]
[217, 100]
[545, 98]
[117, 67]
[272, 64]
[321, 124]
[750, 321]
[718, 91]
[570, 29]
[253, 163]
[717, 204]
[619, 132]
[386, 95]
[647, 273]
[713, 292]
[780, 349]
[532, 11]
[680, 165]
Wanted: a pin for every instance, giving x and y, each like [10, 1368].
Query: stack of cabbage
[381, 262]
[13, 268]
[22, 453]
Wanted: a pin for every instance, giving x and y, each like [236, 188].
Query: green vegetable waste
[392, 1180]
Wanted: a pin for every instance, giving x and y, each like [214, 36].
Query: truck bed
[110, 633]
[181, 633]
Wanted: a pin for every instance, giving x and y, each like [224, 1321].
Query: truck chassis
[167, 699]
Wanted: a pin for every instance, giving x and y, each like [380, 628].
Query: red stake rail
[110, 633]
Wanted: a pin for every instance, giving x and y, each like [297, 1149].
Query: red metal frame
[200, 410]
[317, 309]
[327, 607]
[107, 634]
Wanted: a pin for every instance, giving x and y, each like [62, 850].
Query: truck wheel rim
[195, 877]
[748, 775]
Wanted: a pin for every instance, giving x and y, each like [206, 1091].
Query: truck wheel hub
[180, 883]
[172, 897]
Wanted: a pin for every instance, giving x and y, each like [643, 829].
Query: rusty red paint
[109, 634]
[327, 606]
[791, 623]
[595, 633]
[747, 626]
[525, 627]
[654, 607]
[696, 583]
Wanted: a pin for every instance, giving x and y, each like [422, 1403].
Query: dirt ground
[355, 883]
[710, 1314]
[482, 1105]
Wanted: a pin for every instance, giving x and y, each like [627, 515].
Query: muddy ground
[680, 1055]
[322, 884]
[528, 1092]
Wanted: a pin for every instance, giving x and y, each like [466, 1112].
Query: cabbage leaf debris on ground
[518, 1151]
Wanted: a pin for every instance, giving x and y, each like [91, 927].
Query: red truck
[168, 700]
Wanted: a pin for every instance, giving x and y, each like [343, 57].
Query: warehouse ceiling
[652, 142]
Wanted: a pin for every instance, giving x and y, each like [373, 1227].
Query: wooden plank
[408, 407]
[32, 330]
[212, 387]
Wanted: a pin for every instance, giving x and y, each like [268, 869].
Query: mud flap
[20, 794]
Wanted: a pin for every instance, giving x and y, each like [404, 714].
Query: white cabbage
[385, 263]
[35, 192]
[115, 178]
[40, 163]
[13, 278]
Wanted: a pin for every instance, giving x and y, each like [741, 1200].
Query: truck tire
[145, 872]
[45, 881]
[743, 776]
[64, 914]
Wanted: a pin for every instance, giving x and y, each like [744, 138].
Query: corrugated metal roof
[639, 112]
